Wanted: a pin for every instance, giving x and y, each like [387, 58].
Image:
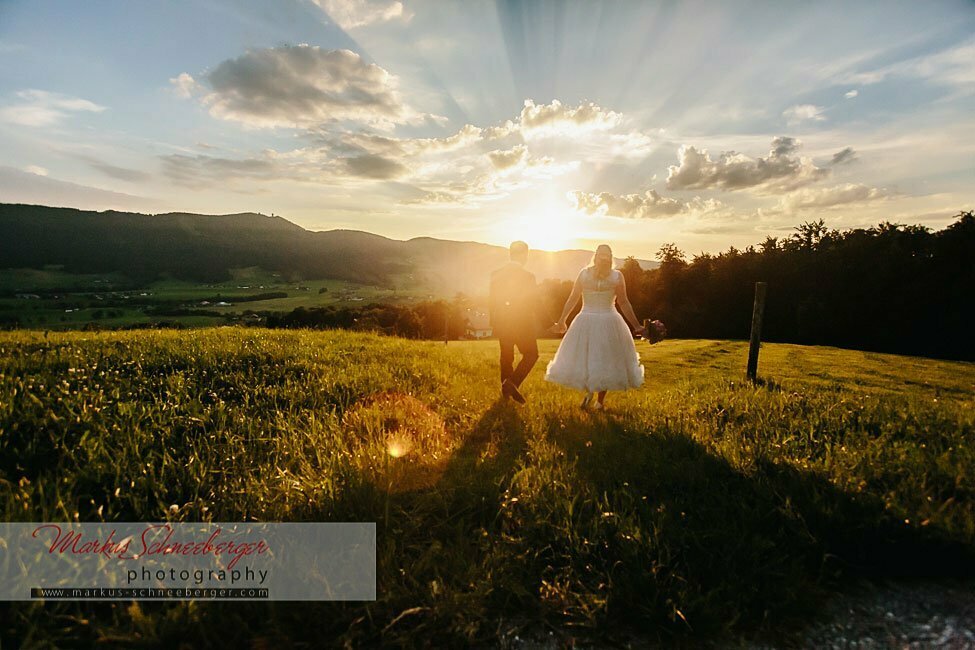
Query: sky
[564, 124]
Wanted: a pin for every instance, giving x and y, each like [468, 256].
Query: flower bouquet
[654, 332]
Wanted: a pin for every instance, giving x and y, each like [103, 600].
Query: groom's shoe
[508, 389]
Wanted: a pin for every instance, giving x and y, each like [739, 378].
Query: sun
[549, 226]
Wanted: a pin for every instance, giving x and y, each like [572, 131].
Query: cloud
[827, 197]
[184, 85]
[352, 14]
[559, 118]
[467, 135]
[200, 171]
[434, 198]
[468, 180]
[501, 131]
[851, 94]
[475, 186]
[951, 66]
[507, 159]
[630, 206]
[42, 108]
[517, 161]
[843, 156]
[344, 108]
[649, 205]
[302, 86]
[332, 156]
[119, 173]
[315, 165]
[36, 170]
[377, 167]
[784, 145]
[778, 172]
[379, 144]
[803, 113]
[458, 192]
[347, 109]
[632, 145]
[18, 186]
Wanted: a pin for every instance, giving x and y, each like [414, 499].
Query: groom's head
[518, 252]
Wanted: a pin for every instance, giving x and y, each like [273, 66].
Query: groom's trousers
[527, 346]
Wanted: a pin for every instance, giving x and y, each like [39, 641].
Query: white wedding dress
[597, 352]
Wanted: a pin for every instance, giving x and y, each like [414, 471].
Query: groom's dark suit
[514, 295]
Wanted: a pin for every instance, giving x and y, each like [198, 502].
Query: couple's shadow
[489, 452]
[856, 530]
[754, 543]
[837, 531]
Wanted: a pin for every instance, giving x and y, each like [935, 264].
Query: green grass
[700, 507]
[337, 293]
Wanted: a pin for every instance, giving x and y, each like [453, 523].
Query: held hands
[559, 327]
[640, 331]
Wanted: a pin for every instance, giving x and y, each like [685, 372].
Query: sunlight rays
[445, 122]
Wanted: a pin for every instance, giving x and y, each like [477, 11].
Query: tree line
[892, 288]
[425, 320]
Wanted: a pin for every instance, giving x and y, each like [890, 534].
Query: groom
[512, 307]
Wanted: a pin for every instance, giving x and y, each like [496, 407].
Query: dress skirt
[597, 353]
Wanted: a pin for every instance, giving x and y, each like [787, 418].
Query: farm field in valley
[56, 300]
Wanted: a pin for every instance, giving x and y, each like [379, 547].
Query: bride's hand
[560, 327]
[640, 331]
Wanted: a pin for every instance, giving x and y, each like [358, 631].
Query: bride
[597, 353]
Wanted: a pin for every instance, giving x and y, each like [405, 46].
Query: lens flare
[402, 442]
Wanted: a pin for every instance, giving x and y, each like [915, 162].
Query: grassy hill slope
[699, 507]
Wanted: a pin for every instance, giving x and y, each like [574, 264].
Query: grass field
[699, 507]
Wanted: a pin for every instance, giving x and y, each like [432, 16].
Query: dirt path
[897, 615]
[883, 615]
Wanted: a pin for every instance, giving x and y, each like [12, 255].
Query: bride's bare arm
[571, 302]
[624, 302]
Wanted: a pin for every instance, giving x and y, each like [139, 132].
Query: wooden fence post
[758, 310]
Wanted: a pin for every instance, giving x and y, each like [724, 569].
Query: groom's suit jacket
[513, 301]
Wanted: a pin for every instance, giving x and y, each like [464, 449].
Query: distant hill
[205, 247]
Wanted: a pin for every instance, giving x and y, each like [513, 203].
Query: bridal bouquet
[656, 332]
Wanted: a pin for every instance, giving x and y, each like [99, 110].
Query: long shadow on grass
[672, 539]
[488, 453]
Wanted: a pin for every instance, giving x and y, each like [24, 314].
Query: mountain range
[205, 248]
